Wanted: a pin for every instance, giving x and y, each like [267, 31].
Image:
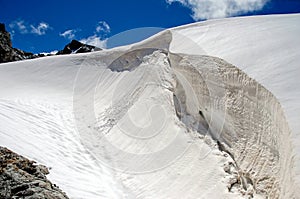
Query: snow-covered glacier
[205, 110]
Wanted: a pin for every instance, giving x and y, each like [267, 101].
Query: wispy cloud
[94, 40]
[68, 34]
[19, 25]
[208, 9]
[26, 28]
[102, 27]
[98, 38]
[40, 29]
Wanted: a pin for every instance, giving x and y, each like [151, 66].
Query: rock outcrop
[22, 178]
[77, 47]
[8, 53]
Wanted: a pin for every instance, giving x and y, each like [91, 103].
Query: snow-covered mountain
[206, 110]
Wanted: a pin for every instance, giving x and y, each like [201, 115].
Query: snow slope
[267, 48]
[163, 118]
[45, 115]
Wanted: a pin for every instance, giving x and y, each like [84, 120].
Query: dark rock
[7, 52]
[2, 27]
[77, 47]
[22, 178]
[18, 188]
[27, 192]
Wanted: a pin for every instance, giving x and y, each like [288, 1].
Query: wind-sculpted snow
[131, 60]
[156, 119]
[243, 116]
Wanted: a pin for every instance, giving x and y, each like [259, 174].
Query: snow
[45, 116]
[267, 48]
[108, 125]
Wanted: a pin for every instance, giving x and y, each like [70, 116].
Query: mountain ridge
[10, 54]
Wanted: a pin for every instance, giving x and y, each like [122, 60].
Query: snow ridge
[163, 118]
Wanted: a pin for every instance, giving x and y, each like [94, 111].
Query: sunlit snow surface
[267, 48]
[111, 132]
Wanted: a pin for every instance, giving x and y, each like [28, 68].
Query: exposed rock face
[7, 52]
[21, 178]
[77, 47]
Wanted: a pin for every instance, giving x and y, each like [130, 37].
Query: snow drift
[201, 110]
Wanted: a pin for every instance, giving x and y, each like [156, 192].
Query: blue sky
[44, 26]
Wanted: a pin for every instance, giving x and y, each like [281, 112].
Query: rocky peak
[7, 52]
[77, 47]
[5, 41]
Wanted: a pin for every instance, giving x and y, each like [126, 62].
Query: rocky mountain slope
[7, 52]
[22, 178]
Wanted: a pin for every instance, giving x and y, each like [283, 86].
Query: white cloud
[19, 25]
[40, 29]
[94, 40]
[97, 39]
[102, 27]
[51, 53]
[208, 9]
[54, 52]
[68, 34]
[25, 28]
[12, 34]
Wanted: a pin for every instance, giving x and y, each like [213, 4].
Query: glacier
[205, 110]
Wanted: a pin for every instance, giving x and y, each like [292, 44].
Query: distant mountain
[77, 47]
[10, 54]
